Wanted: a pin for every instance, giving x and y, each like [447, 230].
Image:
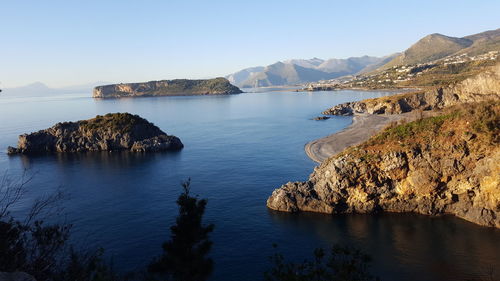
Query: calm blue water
[238, 149]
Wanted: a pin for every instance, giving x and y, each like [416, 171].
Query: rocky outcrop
[484, 86]
[448, 164]
[111, 132]
[321, 118]
[178, 87]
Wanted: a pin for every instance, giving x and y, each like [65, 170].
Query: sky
[62, 43]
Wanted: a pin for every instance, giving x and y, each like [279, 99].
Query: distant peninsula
[111, 132]
[177, 87]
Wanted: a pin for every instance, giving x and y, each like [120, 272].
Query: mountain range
[431, 47]
[437, 46]
[39, 89]
[296, 71]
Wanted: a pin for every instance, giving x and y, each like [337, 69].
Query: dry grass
[478, 124]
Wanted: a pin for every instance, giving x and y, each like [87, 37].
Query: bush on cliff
[478, 120]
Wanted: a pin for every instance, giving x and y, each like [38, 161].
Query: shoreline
[363, 126]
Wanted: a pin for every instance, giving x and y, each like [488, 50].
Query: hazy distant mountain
[33, 89]
[351, 65]
[383, 61]
[307, 63]
[297, 71]
[38, 89]
[284, 74]
[437, 46]
[241, 76]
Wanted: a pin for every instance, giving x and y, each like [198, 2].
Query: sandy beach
[361, 129]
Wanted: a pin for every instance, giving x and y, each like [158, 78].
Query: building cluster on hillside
[397, 75]
[493, 55]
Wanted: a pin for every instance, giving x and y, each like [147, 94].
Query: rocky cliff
[111, 132]
[484, 86]
[447, 164]
[178, 87]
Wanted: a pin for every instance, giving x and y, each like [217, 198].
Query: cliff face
[217, 86]
[484, 86]
[449, 164]
[111, 132]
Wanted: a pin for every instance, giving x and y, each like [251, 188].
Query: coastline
[363, 126]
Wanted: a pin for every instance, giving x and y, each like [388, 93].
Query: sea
[238, 149]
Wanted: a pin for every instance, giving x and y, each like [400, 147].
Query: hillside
[483, 86]
[436, 46]
[178, 87]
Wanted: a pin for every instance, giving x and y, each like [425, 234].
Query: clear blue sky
[70, 42]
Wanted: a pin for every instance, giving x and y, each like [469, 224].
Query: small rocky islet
[110, 132]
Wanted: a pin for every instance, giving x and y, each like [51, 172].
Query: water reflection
[442, 248]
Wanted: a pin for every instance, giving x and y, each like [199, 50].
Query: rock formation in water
[448, 164]
[484, 86]
[178, 87]
[111, 132]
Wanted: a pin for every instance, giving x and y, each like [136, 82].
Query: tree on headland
[341, 264]
[184, 256]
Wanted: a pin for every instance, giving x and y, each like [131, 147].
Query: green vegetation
[184, 257]
[123, 123]
[478, 123]
[431, 124]
[210, 85]
[486, 120]
[219, 86]
[341, 264]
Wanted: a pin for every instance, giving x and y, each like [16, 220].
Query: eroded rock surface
[484, 86]
[111, 132]
[448, 164]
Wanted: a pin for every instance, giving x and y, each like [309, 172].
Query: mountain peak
[429, 48]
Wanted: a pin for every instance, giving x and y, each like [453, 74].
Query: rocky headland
[484, 86]
[446, 164]
[177, 87]
[111, 132]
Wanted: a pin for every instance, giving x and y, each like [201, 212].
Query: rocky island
[177, 87]
[111, 132]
